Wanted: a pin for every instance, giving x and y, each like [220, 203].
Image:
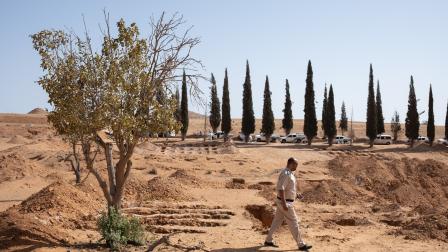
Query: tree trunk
[412, 142]
[268, 139]
[330, 142]
[183, 136]
[371, 142]
[246, 138]
[287, 131]
[310, 141]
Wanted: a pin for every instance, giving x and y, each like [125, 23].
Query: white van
[383, 139]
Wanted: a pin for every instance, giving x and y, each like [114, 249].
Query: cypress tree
[248, 120]
[226, 124]
[343, 123]
[310, 121]
[267, 122]
[412, 121]
[184, 107]
[371, 130]
[330, 121]
[177, 113]
[287, 122]
[446, 122]
[324, 109]
[430, 127]
[215, 106]
[395, 125]
[379, 111]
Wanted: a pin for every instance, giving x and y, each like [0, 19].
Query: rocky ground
[196, 196]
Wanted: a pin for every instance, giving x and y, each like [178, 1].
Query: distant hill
[195, 115]
[38, 111]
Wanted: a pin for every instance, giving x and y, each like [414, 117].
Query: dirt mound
[331, 192]
[148, 146]
[138, 191]
[17, 139]
[344, 220]
[13, 166]
[186, 178]
[38, 111]
[432, 226]
[407, 182]
[263, 213]
[51, 213]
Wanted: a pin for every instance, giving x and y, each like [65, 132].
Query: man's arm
[281, 194]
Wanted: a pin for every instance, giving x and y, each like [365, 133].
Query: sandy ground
[194, 204]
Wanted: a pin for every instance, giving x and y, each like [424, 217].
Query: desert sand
[215, 196]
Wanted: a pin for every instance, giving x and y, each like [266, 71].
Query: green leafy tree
[330, 121]
[371, 124]
[184, 107]
[324, 110]
[412, 117]
[287, 122]
[379, 110]
[431, 131]
[248, 121]
[310, 121]
[343, 122]
[267, 123]
[215, 106]
[395, 126]
[116, 88]
[226, 125]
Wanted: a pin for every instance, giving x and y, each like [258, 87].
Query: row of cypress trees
[374, 122]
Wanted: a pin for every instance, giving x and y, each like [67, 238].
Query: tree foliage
[226, 124]
[371, 123]
[446, 122]
[117, 89]
[395, 125]
[184, 107]
[324, 110]
[267, 123]
[412, 117]
[330, 121]
[248, 120]
[287, 122]
[310, 121]
[343, 122]
[379, 110]
[215, 106]
[431, 131]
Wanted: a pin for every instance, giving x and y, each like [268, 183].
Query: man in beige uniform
[286, 189]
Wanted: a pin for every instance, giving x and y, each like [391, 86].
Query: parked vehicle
[219, 134]
[262, 138]
[242, 137]
[342, 140]
[293, 138]
[383, 139]
[421, 139]
[443, 141]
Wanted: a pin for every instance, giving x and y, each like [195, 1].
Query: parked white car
[262, 138]
[342, 140]
[421, 139]
[383, 139]
[242, 137]
[443, 141]
[293, 138]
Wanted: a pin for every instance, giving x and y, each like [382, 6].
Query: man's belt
[288, 200]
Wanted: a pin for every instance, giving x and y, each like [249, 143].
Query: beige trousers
[291, 219]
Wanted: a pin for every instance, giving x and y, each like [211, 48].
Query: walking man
[286, 194]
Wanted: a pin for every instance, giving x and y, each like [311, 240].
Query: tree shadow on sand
[250, 249]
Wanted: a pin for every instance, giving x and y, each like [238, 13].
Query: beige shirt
[287, 182]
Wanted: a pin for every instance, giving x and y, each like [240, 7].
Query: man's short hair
[292, 160]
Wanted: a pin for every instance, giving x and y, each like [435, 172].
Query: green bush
[118, 230]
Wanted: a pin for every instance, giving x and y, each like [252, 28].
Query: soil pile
[18, 139]
[186, 178]
[432, 226]
[50, 214]
[138, 191]
[13, 166]
[407, 182]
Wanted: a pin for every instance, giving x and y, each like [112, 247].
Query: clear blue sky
[278, 38]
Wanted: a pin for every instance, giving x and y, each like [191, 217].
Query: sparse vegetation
[395, 126]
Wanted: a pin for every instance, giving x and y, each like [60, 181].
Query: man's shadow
[250, 249]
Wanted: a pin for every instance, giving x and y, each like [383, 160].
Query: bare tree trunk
[268, 139]
[371, 142]
[309, 141]
[75, 164]
[412, 142]
[183, 136]
[330, 142]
